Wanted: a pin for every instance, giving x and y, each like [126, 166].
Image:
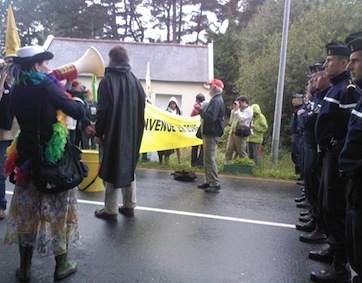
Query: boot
[23, 273]
[64, 267]
[339, 272]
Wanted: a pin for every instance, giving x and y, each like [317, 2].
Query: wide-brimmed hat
[30, 55]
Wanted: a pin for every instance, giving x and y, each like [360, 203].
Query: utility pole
[280, 87]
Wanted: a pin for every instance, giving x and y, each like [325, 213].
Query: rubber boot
[64, 267]
[23, 273]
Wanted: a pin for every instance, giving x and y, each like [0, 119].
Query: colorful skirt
[48, 222]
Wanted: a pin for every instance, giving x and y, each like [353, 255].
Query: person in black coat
[119, 131]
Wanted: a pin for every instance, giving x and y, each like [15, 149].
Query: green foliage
[312, 25]
[243, 161]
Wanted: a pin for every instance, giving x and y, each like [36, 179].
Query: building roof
[168, 62]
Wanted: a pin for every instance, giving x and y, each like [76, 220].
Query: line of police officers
[332, 132]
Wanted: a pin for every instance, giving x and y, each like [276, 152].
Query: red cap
[215, 82]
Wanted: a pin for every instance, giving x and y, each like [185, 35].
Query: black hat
[337, 48]
[29, 55]
[317, 67]
[354, 41]
[298, 95]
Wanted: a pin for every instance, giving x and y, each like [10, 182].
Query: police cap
[317, 67]
[337, 48]
[354, 41]
[298, 95]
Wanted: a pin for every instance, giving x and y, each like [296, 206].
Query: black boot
[317, 236]
[308, 227]
[23, 273]
[64, 267]
[339, 272]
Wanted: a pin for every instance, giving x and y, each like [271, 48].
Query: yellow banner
[164, 130]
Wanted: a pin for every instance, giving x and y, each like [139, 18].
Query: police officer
[350, 161]
[331, 130]
[311, 168]
[296, 134]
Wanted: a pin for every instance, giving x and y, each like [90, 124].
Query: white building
[177, 70]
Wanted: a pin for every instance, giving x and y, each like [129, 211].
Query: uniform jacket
[120, 122]
[350, 159]
[213, 117]
[309, 117]
[260, 125]
[335, 111]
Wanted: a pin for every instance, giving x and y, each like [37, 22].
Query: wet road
[181, 234]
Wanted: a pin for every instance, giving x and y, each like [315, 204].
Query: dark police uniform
[331, 130]
[350, 162]
[311, 168]
[296, 137]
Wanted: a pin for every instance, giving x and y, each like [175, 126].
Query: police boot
[23, 273]
[339, 272]
[64, 267]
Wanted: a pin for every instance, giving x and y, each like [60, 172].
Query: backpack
[186, 176]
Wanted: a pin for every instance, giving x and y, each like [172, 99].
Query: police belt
[333, 146]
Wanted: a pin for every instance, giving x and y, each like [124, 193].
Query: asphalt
[180, 234]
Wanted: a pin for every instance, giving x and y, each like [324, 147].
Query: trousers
[111, 197]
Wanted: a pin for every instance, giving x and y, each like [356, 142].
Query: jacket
[120, 123]
[213, 117]
[260, 125]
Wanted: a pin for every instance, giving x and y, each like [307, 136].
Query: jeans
[3, 147]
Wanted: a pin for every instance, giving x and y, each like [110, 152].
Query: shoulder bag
[66, 174]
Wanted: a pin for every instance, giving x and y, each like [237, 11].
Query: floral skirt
[49, 222]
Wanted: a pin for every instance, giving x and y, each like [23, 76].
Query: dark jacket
[213, 117]
[120, 122]
[38, 104]
[350, 159]
[333, 117]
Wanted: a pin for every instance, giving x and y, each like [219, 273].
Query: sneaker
[128, 212]
[212, 189]
[101, 213]
[2, 214]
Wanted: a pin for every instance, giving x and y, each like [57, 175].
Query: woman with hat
[49, 221]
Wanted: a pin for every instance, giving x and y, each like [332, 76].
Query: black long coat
[120, 122]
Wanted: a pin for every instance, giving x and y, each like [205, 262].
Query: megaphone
[90, 62]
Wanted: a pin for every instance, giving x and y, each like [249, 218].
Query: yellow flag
[12, 42]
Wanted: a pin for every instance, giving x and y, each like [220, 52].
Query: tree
[312, 25]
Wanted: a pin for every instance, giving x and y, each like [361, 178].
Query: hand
[236, 106]
[197, 106]
[99, 140]
[300, 112]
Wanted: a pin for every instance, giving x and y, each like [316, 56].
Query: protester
[8, 128]
[173, 108]
[40, 103]
[212, 129]
[241, 114]
[87, 125]
[197, 151]
[350, 161]
[331, 130]
[119, 131]
[259, 126]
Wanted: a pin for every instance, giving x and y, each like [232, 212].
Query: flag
[149, 90]
[12, 41]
